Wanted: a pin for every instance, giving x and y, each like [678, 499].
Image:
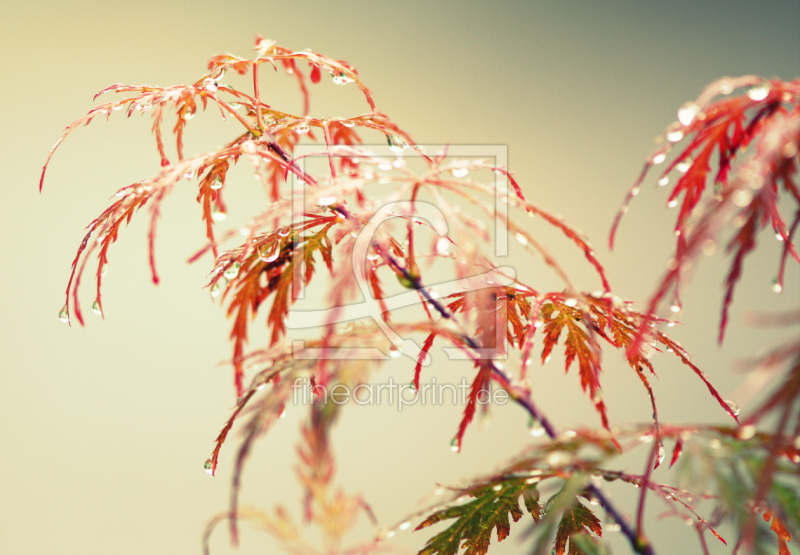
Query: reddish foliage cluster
[278, 253]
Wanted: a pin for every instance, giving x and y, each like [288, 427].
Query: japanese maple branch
[638, 543]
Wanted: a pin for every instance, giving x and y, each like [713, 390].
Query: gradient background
[105, 429]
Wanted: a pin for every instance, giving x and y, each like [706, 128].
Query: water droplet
[216, 183]
[663, 181]
[709, 247]
[675, 308]
[684, 166]
[188, 114]
[215, 289]
[189, 174]
[670, 324]
[521, 239]
[674, 133]
[394, 352]
[218, 215]
[63, 314]
[535, 428]
[454, 446]
[635, 191]
[396, 143]
[327, 201]
[547, 359]
[646, 438]
[284, 231]
[269, 252]
[442, 246]
[404, 525]
[688, 112]
[210, 85]
[733, 406]
[559, 458]
[673, 203]
[459, 172]
[571, 302]
[231, 271]
[249, 147]
[660, 454]
[747, 432]
[742, 198]
[341, 79]
[347, 123]
[659, 158]
[209, 467]
[385, 166]
[758, 92]
[302, 128]
[96, 308]
[777, 287]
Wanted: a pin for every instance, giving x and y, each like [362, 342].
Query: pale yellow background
[105, 429]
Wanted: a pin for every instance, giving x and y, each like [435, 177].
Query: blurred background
[105, 428]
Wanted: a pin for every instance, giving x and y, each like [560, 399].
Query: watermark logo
[371, 308]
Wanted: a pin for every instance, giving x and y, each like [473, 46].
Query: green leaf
[576, 520]
[490, 509]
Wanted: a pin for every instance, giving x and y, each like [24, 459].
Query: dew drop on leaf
[777, 287]
[663, 181]
[216, 184]
[347, 123]
[673, 203]
[215, 290]
[675, 308]
[404, 525]
[341, 79]
[688, 112]
[96, 308]
[535, 428]
[571, 302]
[684, 166]
[454, 447]
[188, 114]
[442, 246]
[210, 85]
[674, 133]
[742, 198]
[209, 467]
[459, 172]
[759, 92]
[635, 191]
[218, 215]
[302, 128]
[733, 406]
[232, 271]
[521, 239]
[63, 314]
[269, 252]
[396, 144]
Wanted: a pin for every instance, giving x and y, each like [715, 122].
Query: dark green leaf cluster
[490, 509]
